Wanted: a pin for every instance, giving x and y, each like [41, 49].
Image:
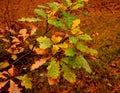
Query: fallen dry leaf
[15, 40]
[4, 64]
[33, 29]
[2, 75]
[52, 81]
[13, 88]
[39, 63]
[14, 57]
[11, 71]
[15, 49]
[40, 51]
[12, 31]
[56, 39]
[24, 33]
[2, 84]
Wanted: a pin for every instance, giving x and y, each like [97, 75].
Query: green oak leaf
[75, 62]
[73, 39]
[68, 74]
[29, 19]
[68, 19]
[80, 46]
[85, 64]
[70, 51]
[40, 12]
[67, 2]
[92, 51]
[54, 5]
[84, 37]
[44, 42]
[57, 23]
[77, 5]
[53, 69]
[25, 81]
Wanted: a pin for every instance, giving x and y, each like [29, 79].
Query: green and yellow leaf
[93, 52]
[57, 23]
[41, 13]
[70, 52]
[44, 42]
[84, 37]
[67, 2]
[77, 5]
[75, 23]
[53, 69]
[68, 73]
[4, 64]
[55, 49]
[63, 45]
[80, 46]
[29, 19]
[68, 19]
[25, 81]
[73, 39]
[85, 64]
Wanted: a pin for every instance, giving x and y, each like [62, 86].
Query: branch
[47, 28]
[25, 54]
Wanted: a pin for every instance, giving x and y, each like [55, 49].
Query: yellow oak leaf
[14, 57]
[75, 23]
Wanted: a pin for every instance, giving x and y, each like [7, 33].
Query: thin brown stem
[47, 28]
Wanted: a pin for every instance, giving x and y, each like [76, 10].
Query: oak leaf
[25, 81]
[4, 64]
[2, 84]
[40, 51]
[14, 88]
[52, 81]
[24, 34]
[75, 23]
[11, 71]
[39, 63]
[14, 57]
[33, 29]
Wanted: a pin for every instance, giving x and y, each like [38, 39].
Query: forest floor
[102, 23]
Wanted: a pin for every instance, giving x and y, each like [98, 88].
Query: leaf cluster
[63, 52]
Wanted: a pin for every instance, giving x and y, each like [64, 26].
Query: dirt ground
[103, 25]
